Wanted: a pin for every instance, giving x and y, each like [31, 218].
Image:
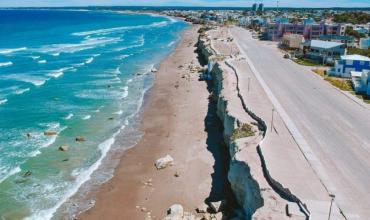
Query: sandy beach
[177, 120]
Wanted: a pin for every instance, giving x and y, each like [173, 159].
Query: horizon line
[184, 6]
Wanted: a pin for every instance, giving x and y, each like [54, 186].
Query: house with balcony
[349, 63]
[273, 31]
[334, 29]
[323, 51]
[315, 31]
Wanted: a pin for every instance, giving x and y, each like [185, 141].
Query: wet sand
[177, 120]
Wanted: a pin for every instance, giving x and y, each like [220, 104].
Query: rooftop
[356, 74]
[335, 37]
[324, 44]
[355, 57]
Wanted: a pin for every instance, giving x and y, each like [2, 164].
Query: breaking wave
[118, 29]
[6, 64]
[10, 51]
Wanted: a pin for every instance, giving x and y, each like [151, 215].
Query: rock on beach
[164, 162]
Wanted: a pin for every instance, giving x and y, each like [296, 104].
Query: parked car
[287, 56]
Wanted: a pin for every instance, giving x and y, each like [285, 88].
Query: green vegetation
[246, 130]
[351, 32]
[231, 21]
[354, 17]
[320, 72]
[295, 20]
[340, 83]
[307, 62]
[359, 51]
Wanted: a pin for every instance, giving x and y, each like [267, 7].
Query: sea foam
[6, 64]
[3, 101]
[86, 117]
[118, 29]
[21, 91]
[13, 50]
[57, 49]
[6, 173]
[83, 176]
[69, 116]
[59, 72]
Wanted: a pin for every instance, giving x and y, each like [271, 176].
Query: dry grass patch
[341, 83]
[245, 130]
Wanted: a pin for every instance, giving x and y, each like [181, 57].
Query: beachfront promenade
[331, 129]
[284, 160]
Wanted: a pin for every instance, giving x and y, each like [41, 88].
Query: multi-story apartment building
[334, 29]
[315, 31]
[276, 30]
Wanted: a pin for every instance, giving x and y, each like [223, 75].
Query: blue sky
[244, 3]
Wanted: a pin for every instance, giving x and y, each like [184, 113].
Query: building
[282, 20]
[314, 31]
[364, 43]
[323, 51]
[362, 30]
[348, 63]
[276, 30]
[292, 41]
[361, 82]
[254, 7]
[245, 21]
[308, 21]
[293, 29]
[334, 29]
[260, 7]
[347, 40]
[273, 31]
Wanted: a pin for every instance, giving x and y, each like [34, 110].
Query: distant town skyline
[221, 3]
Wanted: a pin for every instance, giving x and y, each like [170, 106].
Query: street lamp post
[272, 118]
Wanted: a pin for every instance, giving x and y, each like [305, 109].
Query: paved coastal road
[336, 128]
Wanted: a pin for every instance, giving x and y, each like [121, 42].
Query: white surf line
[304, 147]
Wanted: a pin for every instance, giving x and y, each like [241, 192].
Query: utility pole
[331, 204]
[272, 118]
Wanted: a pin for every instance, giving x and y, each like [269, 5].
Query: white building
[361, 81]
[349, 63]
[364, 43]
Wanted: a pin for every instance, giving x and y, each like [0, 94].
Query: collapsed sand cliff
[259, 195]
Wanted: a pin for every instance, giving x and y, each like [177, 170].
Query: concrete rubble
[164, 162]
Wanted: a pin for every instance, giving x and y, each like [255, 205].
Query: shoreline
[84, 197]
[168, 104]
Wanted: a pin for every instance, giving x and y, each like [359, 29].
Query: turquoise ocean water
[77, 73]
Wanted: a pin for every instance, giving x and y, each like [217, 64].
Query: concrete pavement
[284, 162]
[336, 129]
